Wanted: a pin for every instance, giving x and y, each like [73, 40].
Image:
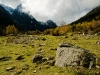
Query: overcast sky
[56, 10]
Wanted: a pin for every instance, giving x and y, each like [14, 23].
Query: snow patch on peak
[8, 9]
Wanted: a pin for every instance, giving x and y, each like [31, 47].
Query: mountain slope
[94, 14]
[29, 22]
[5, 19]
[8, 9]
[22, 20]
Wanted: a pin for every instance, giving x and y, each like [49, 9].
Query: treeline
[84, 27]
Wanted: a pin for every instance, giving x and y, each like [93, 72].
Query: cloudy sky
[56, 10]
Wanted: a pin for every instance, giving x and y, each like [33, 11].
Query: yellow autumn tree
[11, 29]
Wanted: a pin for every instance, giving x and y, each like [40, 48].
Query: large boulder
[69, 55]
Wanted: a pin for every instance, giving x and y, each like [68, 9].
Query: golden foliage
[11, 29]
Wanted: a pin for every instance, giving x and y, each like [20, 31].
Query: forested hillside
[90, 23]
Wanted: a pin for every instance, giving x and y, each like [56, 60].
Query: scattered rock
[56, 73]
[40, 68]
[18, 72]
[71, 35]
[71, 56]
[23, 46]
[98, 63]
[35, 71]
[25, 67]
[50, 58]
[5, 58]
[47, 66]
[97, 42]
[43, 39]
[64, 44]
[66, 36]
[41, 44]
[53, 48]
[97, 66]
[74, 38]
[91, 64]
[20, 57]
[37, 58]
[44, 59]
[52, 63]
[10, 68]
[40, 50]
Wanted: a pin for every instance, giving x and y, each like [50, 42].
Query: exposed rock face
[69, 55]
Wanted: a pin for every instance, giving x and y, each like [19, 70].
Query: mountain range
[23, 21]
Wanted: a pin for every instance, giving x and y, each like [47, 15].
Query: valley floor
[26, 46]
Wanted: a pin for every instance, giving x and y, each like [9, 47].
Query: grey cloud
[56, 10]
[60, 10]
[13, 3]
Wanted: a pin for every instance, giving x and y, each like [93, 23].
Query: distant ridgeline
[90, 23]
[21, 20]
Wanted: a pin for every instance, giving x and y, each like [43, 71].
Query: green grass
[28, 51]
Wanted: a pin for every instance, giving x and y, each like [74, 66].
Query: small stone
[18, 72]
[53, 49]
[74, 38]
[47, 67]
[10, 68]
[43, 39]
[56, 73]
[91, 64]
[37, 58]
[5, 58]
[44, 59]
[98, 42]
[52, 63]
[20, 57]
[25, 67]
[40, 68]
[41, 44]
[35, 71]
[98, 67]
[50, 58]
[66, 36]
[71, 35]
[65, 45]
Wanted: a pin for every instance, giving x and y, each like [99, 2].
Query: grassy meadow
[48, 48]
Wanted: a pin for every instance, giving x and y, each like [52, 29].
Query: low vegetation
[16, 53]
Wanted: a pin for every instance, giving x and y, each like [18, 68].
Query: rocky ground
[37, 55]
